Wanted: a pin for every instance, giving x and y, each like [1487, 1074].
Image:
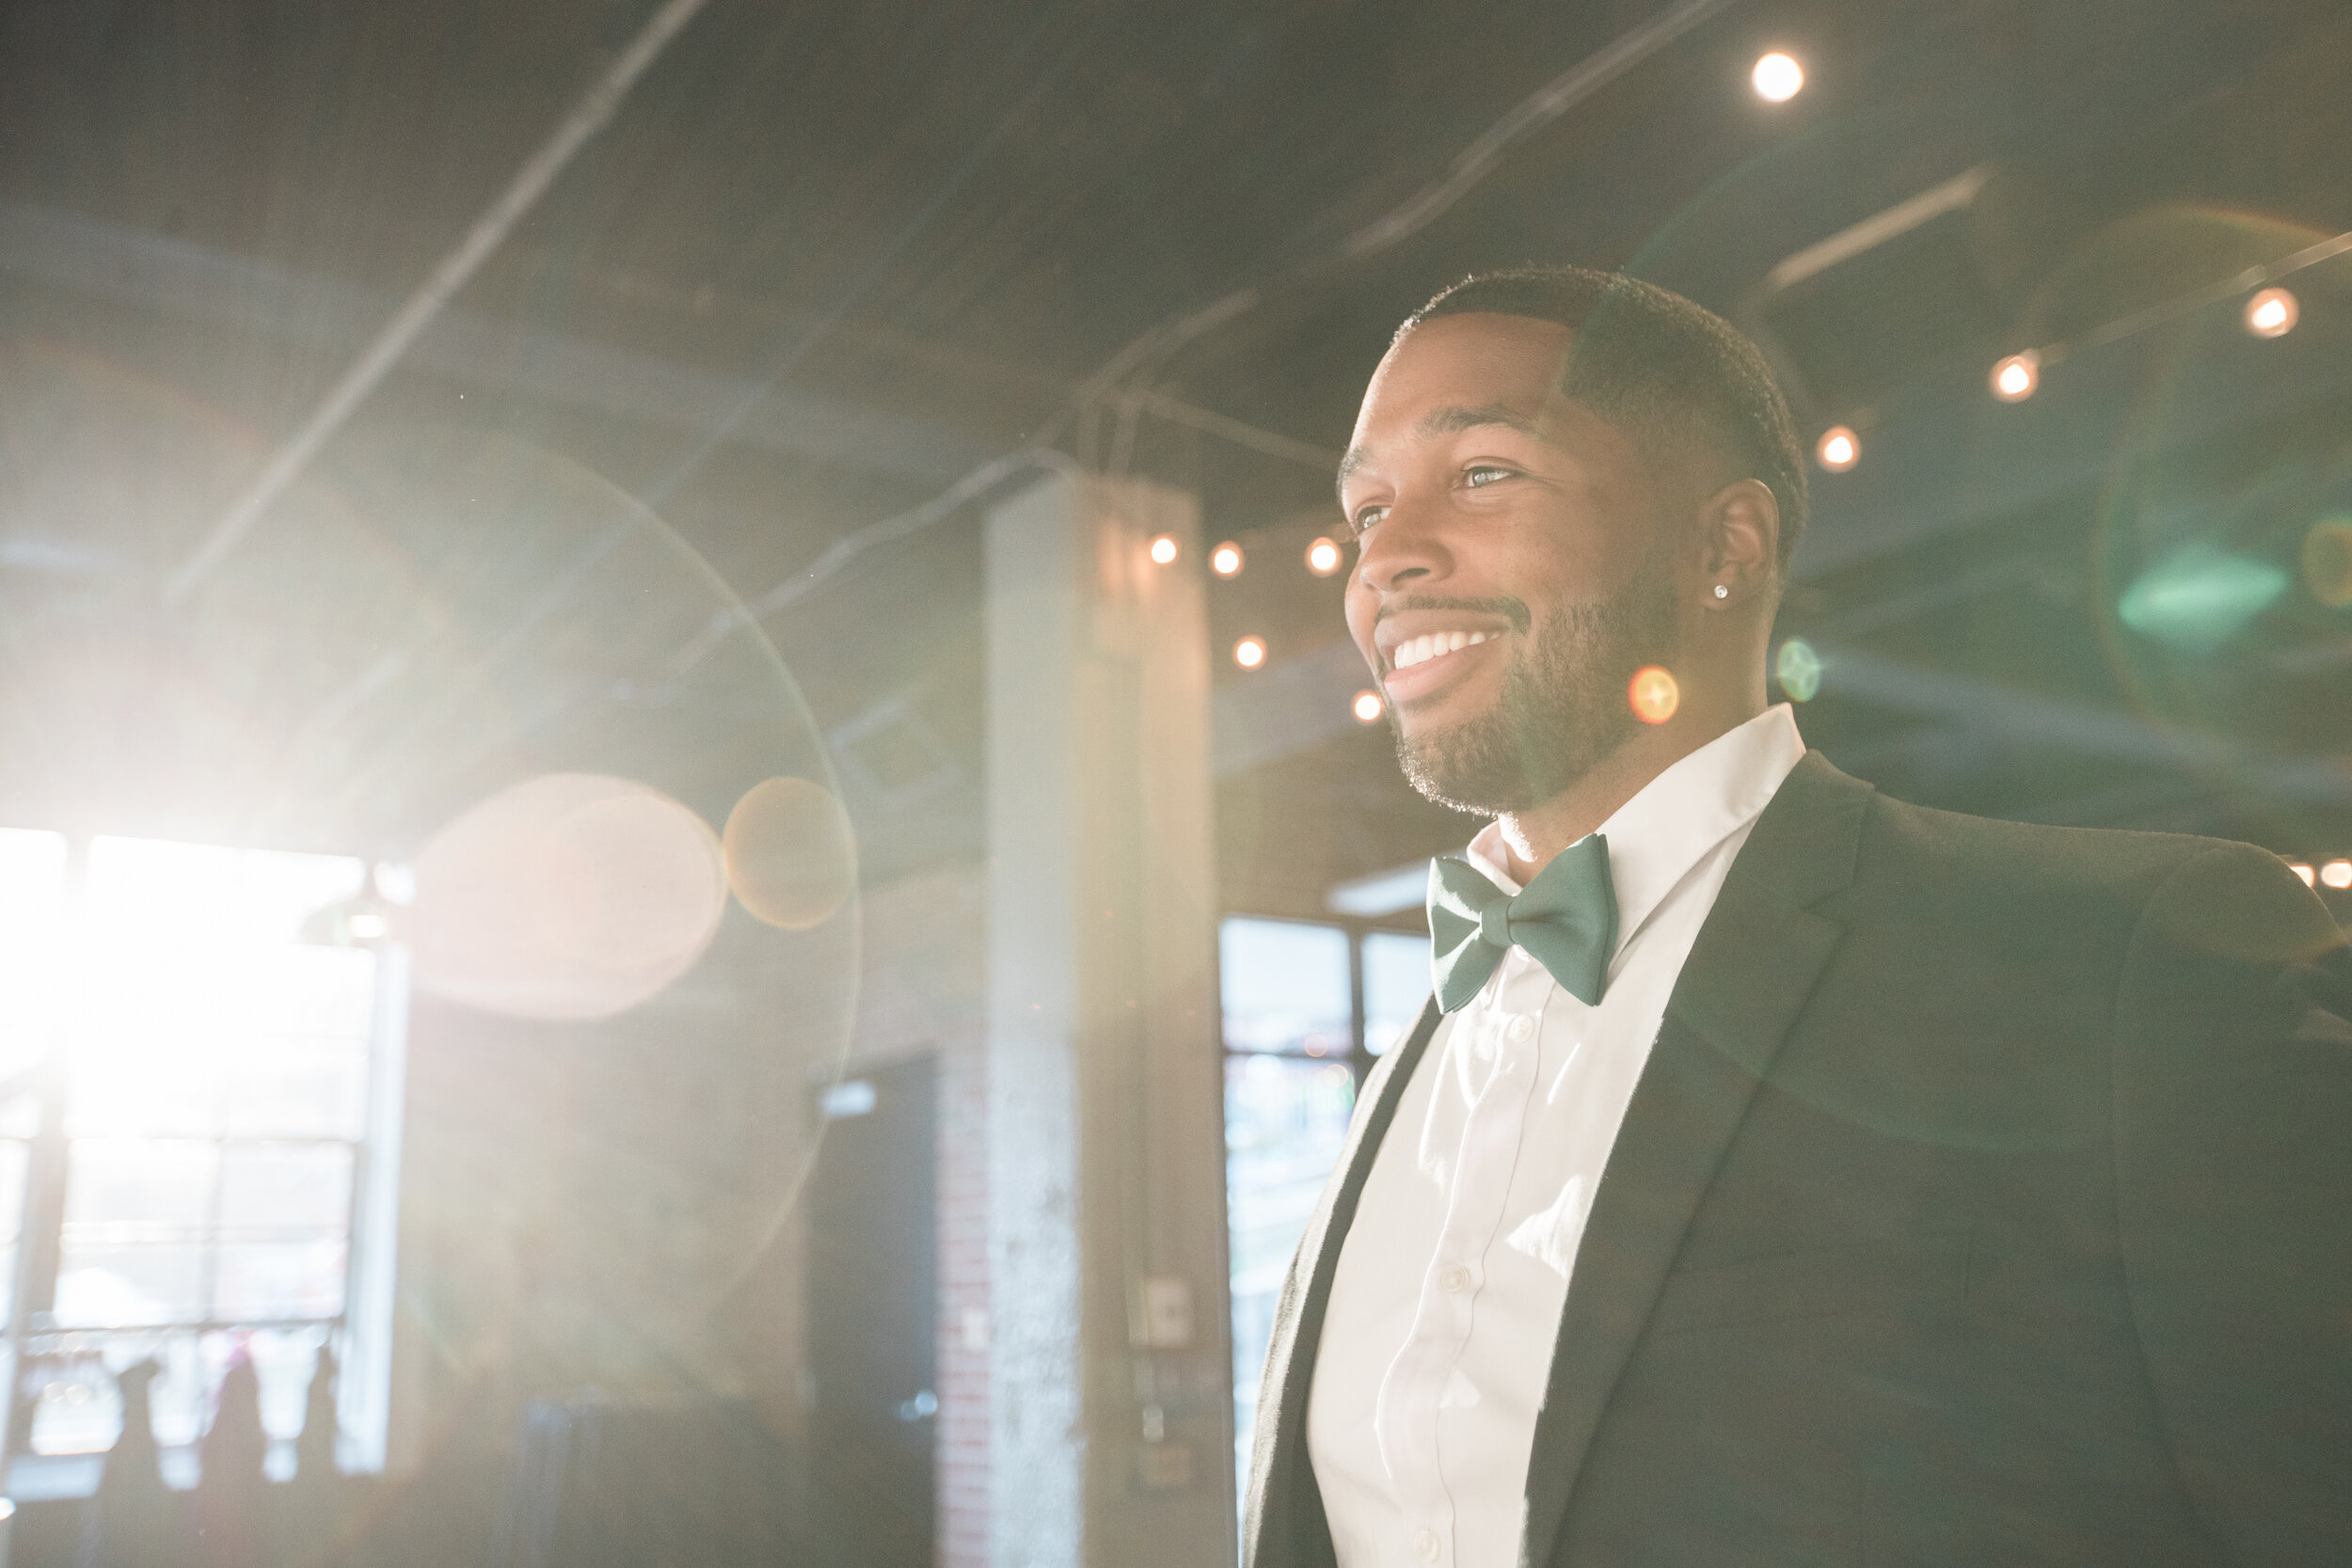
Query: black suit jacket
[1986, 1199]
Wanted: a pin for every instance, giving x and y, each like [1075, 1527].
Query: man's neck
[1533, 836]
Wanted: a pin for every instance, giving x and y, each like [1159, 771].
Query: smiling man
[1779, 1174]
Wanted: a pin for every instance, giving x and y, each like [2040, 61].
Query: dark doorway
[873, 1317]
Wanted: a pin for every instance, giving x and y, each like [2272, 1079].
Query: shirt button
[1454, 1281]
[1522, 1029]
[1425, 1546]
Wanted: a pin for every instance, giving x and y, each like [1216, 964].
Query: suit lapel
[1284, 1526]
[1748, 976]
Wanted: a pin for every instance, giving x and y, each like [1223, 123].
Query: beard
[1563, 708]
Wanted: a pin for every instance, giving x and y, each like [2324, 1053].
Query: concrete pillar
[1110, 1394]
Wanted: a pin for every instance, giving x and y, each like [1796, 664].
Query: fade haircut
[1669, 374]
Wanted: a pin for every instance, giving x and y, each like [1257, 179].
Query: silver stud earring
[1721, 593]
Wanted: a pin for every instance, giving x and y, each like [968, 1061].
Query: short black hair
[1655, 365]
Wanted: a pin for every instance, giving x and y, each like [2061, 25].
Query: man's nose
[1405, 547]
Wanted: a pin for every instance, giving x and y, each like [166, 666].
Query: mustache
[1513, 611]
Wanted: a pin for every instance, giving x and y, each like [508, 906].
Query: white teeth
[1430, 644]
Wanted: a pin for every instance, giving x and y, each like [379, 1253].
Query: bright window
[198, 1134]
[1300, 998]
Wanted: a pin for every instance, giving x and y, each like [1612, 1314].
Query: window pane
[1396, 982]
[78, 1409]
[32, 892]
[1285, 987]
[1284, 1122]
[280, 1279]
[299, 1091]
[13, 1159]
[122, 1189]
[106, 1287]
[125, 1092]
[265, 1189]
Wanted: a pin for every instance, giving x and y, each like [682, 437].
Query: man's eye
[1482, 474]
[1361, 523]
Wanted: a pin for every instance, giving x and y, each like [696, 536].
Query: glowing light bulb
[1225, 561]
[2302, 870]
[1163, 551]
[367, 927]
[1838, 449]
[1367, 707]
[1777, 78]
[2272, 313]
[1323, 558]
[1653, 695]
[1249, 652]
[2015, 377]
[2337, 874]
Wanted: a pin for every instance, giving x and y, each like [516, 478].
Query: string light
[1323, 558]
[2015, 377]
[1367, 707]
[1249, 652]
[1225, 561]
[2302, 869]
[1777, 78]
[1839, 449]
[2269, 311]
[1163, 551]
[2337, 874]
[2272, 313]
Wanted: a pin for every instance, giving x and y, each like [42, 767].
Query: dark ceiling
[827, 259]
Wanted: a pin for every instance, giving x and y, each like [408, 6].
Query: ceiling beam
[124, 265]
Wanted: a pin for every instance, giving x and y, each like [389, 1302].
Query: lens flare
[1838, 449]
[1799, 669]
[570, 896]
[2327, 561]
[1323, 558]
[1249, 652]
[2272, 313]
[1225, 561]
[1367, 707]
[1163, 551]
[1653, 695]
[2015, 377]
[1777, 78]
[789, 853]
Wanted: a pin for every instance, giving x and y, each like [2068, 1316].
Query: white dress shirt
[1437, 1340]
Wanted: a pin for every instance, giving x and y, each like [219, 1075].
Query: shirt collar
[1675, 818]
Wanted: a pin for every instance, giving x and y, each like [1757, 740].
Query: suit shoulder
[2030, 855]
[2177, 886]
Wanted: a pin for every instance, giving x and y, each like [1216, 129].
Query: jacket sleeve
[2231, 1084]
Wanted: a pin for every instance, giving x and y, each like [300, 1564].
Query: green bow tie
[1567, 917]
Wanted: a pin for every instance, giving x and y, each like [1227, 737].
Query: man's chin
[1465, 767]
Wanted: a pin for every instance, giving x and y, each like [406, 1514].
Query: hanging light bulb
[2015, 377]
[2272, 313]
[1777, 78]
[1367, 707]
[1249, 652]
[1225, 561]
[1323, 558]
[1163, 551]
[1838, 449]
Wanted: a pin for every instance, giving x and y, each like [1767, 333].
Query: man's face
[1515, 568]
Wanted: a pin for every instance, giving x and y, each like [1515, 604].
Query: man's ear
[1739, 545]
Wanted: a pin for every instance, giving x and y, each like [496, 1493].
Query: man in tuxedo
[1780, 1174]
